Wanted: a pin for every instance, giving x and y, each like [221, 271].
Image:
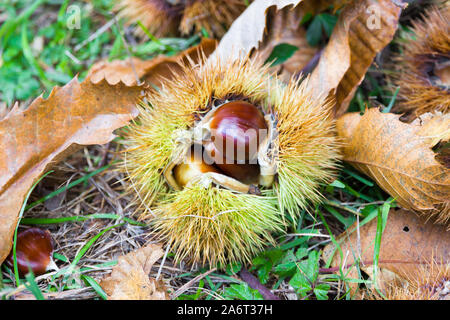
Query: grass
[90, 218]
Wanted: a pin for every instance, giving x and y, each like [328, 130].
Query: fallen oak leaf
[129, 279]
[407, 244]
[129, 71]
[32, 140]
[399, 157]
[151, 71]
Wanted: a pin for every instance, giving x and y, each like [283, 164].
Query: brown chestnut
[34, 249]
[239, 125]
[245, 173]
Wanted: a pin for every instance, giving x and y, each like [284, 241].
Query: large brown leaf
[399, 157]
[130, 279]
[363, 29]
[30, 141]
[247, 31]
[407, 244]
[151, 71]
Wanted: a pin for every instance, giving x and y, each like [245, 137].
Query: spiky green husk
[217, 225]
[307, 148]
[307, 145]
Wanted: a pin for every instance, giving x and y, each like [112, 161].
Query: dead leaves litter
[399, 157]
[130, 279]
[152, 71]
[32, 140]
[407, 244]
[363, 29]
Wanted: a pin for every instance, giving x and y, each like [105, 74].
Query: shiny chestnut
[239, 125]
[34, 249]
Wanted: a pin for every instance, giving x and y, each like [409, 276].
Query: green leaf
[306, 274]
[232, 269]
[288, 265]
[94, 284]
[328, 22]
[314, 32]
[321, 291]
[336, 183]
[281, 53]
[264, 272]
[31, 285]
[322, 22]
[264, 263]
[241, 292]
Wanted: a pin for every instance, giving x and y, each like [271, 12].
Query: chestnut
[34, 249]
[192, 167]
[244, 172]
[237, 128]
[239, 125]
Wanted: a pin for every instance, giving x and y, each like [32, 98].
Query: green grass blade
[94, 284]
[381, 224]
[33, 287]
[9, 26]
[22, 210]
[391, 103]
[30, 58]
[37, 221]
[89, 244]
[358, 177]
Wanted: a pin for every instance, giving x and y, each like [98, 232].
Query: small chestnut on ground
[34, 249]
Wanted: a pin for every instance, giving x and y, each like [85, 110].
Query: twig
[337, 205]
[254, 283]
[191, 282]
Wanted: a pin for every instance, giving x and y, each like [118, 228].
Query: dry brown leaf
[247, 31]
[399, 157]
[127, 71]
[363, 29]
[407, 244]
[130, 279]
[31, 140]
[151, 71]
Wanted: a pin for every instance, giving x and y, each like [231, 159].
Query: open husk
[215, 218]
